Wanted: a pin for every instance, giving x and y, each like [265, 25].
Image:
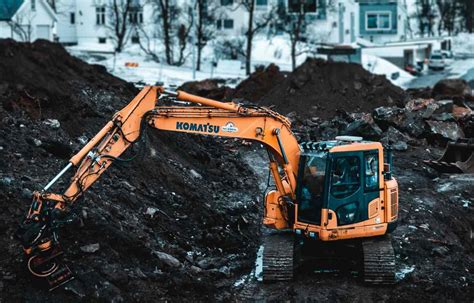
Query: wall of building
[66, 29]
[400, 55]
[373, 35]
[37, 21]
[88, 31]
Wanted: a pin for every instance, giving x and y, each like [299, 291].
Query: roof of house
[8, 8]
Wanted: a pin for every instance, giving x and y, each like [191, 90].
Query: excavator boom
[38, 231]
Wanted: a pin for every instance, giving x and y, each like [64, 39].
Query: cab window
[345, 179]
[371, 175]
[311, 187]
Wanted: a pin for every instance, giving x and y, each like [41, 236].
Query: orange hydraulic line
[209, 102]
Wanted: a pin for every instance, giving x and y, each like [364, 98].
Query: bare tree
[172, 25]
[293, 22]
[466, 11]
[447, 15]
[21, 25]
[147, 43]
[233, 48]
[426, 15]
[204, 27]
[168, 14]
[53, 3]
[119, 25]
[254, 25]
[183, 36]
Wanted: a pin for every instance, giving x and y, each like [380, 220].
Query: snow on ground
[150, 72]
[265, 51]
[463, 44]
[459, 68]
[379, 66]
[275, 50]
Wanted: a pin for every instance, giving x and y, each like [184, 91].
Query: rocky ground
[182, 222]
[176, 223]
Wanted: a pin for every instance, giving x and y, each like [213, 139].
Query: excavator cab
[340, 189]
[343, 182]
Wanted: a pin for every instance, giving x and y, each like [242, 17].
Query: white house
[27, 20]
[336, 22]
[383, 21]
[67, 21]
[333, 22]
[88, 22]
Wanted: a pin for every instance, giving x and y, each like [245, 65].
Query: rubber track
[379, 261]
[278, 257]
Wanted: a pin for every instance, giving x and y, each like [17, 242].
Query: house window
[136, 15]
[135, 39]
[228, 24]
[227, 2]
[378, 21]
[225, 24]
[33, 5]
[309, 6]
[72, 18]
[100, 15]
[102, 40]
[262, 2]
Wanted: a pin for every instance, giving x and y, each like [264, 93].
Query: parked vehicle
[446, 54]
[413, 70]
[436, 62]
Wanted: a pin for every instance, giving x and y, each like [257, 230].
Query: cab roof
[338, 145]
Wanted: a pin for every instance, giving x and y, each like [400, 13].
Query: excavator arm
[49, 211]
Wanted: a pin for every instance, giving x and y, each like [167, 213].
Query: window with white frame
[262, 2]
[378, 21]
[225, 23]
[100, 15]
[33, 5]
[136, 15]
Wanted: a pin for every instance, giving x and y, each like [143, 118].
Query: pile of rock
[420, 121]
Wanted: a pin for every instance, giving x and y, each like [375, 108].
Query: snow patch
[379, 66]
[259, 264]
[401, 274]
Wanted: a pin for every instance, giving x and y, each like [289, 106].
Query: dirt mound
[43, 80]
[170, 225]
[320, 88]
[259, 83]
[209, 88]
[451, 87]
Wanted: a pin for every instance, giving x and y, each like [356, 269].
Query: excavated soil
[182, 221]
[188, 197]
[320, 88]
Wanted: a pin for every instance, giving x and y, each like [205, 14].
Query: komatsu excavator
[324, 191]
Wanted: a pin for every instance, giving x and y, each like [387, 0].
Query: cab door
[353, 183]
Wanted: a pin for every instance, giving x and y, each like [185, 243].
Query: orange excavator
[332, 190]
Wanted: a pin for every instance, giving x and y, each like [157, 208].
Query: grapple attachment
[38, 236]
[458, 158]
[48, 265]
